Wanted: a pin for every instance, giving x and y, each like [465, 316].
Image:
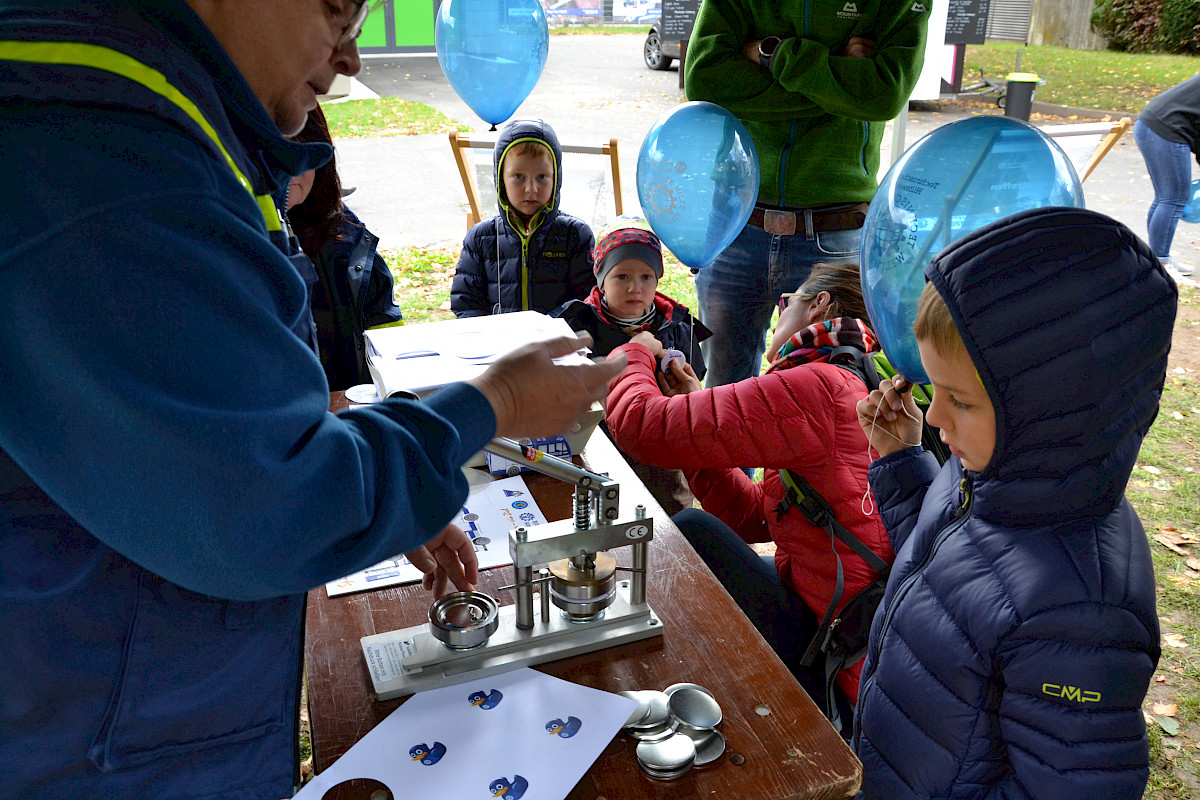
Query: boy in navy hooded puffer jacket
[531, 256]
[1018, 634]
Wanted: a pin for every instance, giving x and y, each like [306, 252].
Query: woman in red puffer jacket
[799, 416]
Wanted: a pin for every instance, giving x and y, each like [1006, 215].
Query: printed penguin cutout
[509, 791]
[485, 699]
[556, 727]
[428, 755]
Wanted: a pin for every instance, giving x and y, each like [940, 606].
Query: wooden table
[779, 745]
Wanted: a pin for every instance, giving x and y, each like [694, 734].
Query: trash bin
[1018, 94]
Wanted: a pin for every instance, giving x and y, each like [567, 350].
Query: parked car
[659, 52]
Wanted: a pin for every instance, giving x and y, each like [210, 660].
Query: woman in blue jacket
[1018, 634]
[354, 291]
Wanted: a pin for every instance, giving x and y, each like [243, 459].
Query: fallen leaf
[1153, 470]
[1170, 544]
[1193, 563]
[1174, 640]
[1170, 727]
[1166, 709]
[1168, 527]
[1160, 678]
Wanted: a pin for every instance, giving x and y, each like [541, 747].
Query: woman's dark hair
[316, 220]
[841, 280]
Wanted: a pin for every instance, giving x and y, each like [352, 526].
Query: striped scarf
[631, 326]
[817, 341]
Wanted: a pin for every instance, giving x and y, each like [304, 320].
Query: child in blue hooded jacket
[1018, 635]
[531, 256]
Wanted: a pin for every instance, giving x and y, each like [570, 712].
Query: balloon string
[868, 500]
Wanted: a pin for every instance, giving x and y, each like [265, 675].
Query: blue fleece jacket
[171, 482]
[1018, 634]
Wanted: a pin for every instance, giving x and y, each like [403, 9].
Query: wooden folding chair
[1086, 143]
[460, 143]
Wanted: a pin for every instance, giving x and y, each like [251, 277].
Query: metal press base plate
[408, 661]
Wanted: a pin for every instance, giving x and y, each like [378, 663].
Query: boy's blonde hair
[531, 149]
[934, 323]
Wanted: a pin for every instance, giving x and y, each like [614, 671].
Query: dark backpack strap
[816, 510]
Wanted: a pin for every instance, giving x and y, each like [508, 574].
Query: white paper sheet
[423, 357]
[491, 511]
[525, 732]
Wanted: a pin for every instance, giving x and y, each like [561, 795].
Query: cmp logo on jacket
[849, 11]
[919, 7]
[1070, 693]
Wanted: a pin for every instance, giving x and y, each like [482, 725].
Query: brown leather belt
[780, 222]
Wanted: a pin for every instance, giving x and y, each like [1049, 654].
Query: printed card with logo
[490, 512]
[521, 735]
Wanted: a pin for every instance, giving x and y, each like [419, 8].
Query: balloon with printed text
[697, 180]
[954, 180]
[492, 52]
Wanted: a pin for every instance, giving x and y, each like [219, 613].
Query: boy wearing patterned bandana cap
[626, 300]
[625, 303]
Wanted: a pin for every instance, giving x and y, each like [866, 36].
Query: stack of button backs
[676, 730]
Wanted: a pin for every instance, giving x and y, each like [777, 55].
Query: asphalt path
[594, 87]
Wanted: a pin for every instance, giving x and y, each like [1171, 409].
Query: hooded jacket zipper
[784, 152]
[960, 519]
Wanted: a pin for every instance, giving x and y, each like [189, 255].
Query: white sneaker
[1183, 270]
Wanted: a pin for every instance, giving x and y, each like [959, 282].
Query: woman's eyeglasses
[786, 298]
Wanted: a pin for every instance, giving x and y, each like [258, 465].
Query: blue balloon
[492, 52]
[954, 180]
[1191, 211]
[697, 180]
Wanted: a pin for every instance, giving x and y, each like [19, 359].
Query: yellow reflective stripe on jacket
[78, 54]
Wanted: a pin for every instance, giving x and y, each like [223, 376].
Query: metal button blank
[675, 687]
[695, 708]
[710, 748]
[658, 713]
[668, 758]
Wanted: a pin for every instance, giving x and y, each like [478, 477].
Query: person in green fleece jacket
[813, 81]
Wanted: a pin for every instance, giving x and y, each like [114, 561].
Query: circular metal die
[675, 687]
[667, 759]
[657, 713]
[710, 749]
[583, 594]
[695, 709]
[463, 620]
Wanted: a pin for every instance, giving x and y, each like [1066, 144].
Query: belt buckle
[779, 223]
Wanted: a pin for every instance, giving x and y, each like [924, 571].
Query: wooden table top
[778, 744]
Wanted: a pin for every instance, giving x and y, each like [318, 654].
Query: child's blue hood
[518, 130]
[1068, 318]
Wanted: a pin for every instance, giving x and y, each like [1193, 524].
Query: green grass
[422, 282]
[386, 116]
[1098, 79]
[576, 29]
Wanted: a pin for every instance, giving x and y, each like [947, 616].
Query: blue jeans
[753, 582]
[1170, 167]
[738, 293]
